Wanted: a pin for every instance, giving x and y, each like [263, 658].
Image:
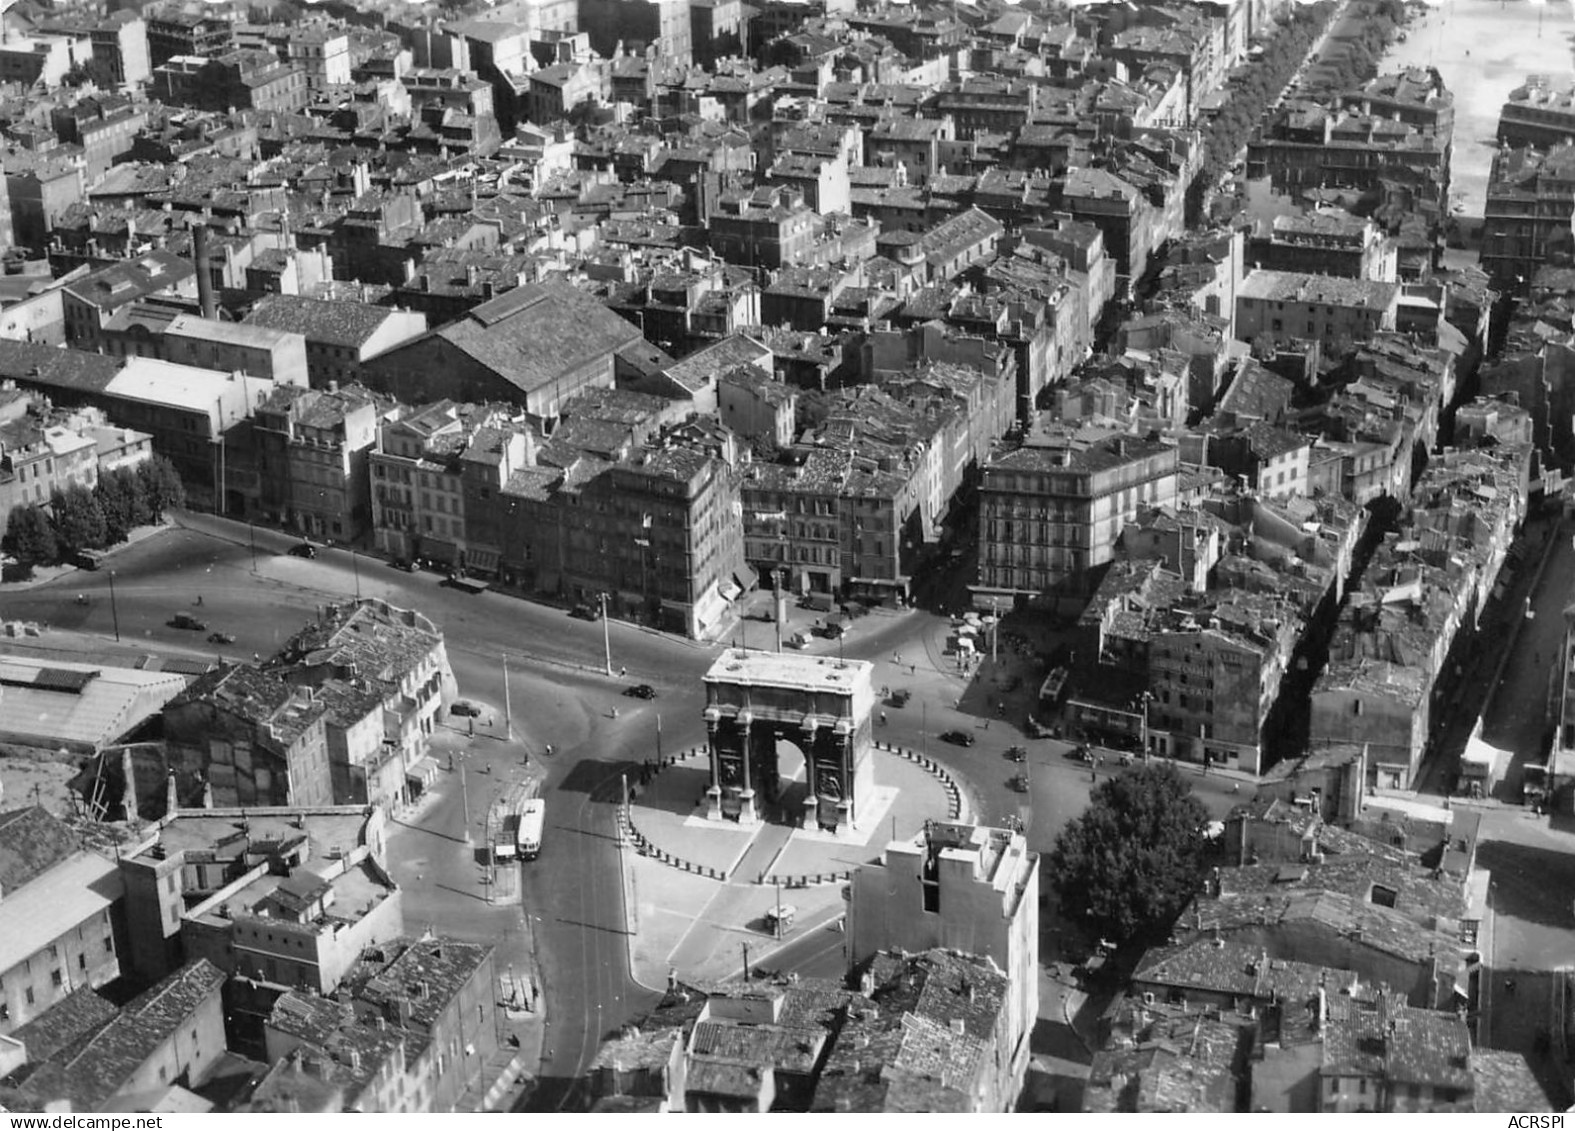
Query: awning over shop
[747, 578]
[1479, 758]
[729, 591]
[423, 772]
[484, 560]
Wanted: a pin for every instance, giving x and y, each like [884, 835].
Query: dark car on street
[640, 691]
[958, 738]
[1017, 753]
[303, 550]
[585, 612]
[900, 697]
[187, 621]
[1081, 754]
[464, 709]
[221, 638]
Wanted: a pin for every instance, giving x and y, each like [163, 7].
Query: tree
[142, 513]
[30, 539]
[95, 72]
[814, 405]
[162, 489]
[118, 494]
[78, 519]
[1131, 862]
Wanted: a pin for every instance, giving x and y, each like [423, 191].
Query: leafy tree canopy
[30, 539]
[1128, 865]
[78, 519]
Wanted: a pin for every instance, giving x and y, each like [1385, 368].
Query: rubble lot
[27, 779]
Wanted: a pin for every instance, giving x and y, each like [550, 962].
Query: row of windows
[39, 470]
[57, 976]
[1004, 538]
[1186, 703]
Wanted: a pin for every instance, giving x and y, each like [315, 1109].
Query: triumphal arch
[820, 704]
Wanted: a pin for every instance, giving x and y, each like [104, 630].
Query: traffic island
[667, 821]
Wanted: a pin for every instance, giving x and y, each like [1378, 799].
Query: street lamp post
[776, 603]
[114, 612]
[490, 877]
[464, 795]
[1143, 701]
[508, 708]
[606, 633]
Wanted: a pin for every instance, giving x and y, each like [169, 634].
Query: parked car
[187, 621]
[1017, 753]
[401, 563]
[640, 691]
[958, 737]
[303, 550]
[1081, 754]
[221, 638]
[1019, 784]
[586, 612]
[900, 697]
[464, 709]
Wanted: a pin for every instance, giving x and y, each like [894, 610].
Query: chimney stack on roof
[199, 255]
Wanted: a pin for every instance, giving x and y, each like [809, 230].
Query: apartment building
[1048, 514]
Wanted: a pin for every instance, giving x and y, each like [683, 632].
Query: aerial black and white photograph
[796, 556]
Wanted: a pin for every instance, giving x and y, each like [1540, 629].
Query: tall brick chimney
[199, 256]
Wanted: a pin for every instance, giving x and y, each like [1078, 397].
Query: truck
[466, 584]
[528, 838]
[1534, 785]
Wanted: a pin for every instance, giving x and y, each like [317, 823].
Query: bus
[531, 818]
[507, 842]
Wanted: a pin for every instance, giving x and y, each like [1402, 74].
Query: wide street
[560, 695]
[1484, 49]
